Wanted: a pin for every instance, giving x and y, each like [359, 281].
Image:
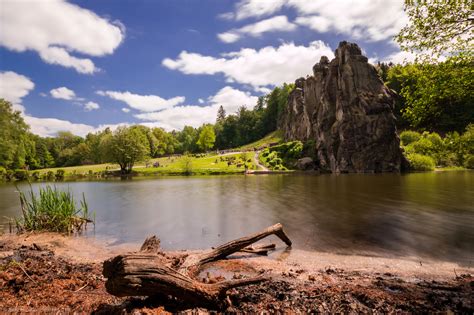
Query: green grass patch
[206, 165]
[80, 170]
[272, 138]
[52, 210]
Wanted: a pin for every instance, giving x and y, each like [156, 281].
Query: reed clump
[52, 210]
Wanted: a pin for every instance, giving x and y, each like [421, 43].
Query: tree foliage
[207, 138]
[125, 146]
[440, 27]
[434, 96]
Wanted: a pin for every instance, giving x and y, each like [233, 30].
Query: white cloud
[254, 8]
[13, 87]
[231, 99]
[125, 109]
[277, 23]
[63, 93]
[201, 101]
[89, 106]
[49, 127]
[229, 37]
[55, 29]
[267, 66]
[402, 57]
[144, 103]
[177, 117]
[369, 20]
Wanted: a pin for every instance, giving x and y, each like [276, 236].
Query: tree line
[21, 149]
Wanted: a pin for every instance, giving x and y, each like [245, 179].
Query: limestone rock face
[346, 109]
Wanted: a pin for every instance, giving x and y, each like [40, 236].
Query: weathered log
[149, 272]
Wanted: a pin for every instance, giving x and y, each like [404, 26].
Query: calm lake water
[425, 214]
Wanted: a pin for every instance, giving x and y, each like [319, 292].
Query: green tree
[14, 137]
[125, 146]
[435, 96]
[207, 138]
[187, 139]
[438, 27]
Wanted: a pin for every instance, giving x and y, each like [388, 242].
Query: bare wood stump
[150, 272]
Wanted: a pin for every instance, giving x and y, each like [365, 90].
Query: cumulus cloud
[254, 8]
[89, 106]
[143, 103]
[277, 23]
[13, 87]
[63, 93]
[55, 29]
[177, 117]
[49, 127]
[125, 109]
[370, 20]
[267, 66]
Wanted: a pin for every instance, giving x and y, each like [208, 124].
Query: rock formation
[346, 109]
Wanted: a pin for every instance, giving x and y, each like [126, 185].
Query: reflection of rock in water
[347, 110]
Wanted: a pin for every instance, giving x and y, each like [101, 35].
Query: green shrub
[408, 136]
[419, 162]
[60, 174]
[3, 173]
[36, 175]
[52, 210]
[21, 174]
[469, 162]
[10, 175]
[422, 146]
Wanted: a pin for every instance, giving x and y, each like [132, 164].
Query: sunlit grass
[209, 164]
[82, 169]
[52, 210]
[273, 137]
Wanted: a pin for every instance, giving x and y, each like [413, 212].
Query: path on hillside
[257, 162]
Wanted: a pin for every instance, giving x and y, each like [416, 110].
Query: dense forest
[433, 97]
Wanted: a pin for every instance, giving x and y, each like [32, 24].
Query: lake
[420, 214]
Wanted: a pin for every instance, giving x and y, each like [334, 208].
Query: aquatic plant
[52, 210]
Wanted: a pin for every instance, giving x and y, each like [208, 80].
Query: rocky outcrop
[346, 109]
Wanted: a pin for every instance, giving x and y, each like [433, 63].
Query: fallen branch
[150, 272]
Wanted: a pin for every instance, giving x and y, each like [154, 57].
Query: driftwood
[151, 273]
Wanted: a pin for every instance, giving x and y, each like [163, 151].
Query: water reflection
[427, 215]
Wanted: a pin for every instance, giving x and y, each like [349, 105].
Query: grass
[52, 210]
[450, 168]
[273, 137]
[209, 164]
[82, 169]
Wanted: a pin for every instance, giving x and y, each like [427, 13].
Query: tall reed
[52, 210]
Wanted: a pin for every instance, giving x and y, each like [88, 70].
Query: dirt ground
[50, 273]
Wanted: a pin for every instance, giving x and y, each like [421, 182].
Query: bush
[36, 175]
[3, 172]
[21, 174]
[419, 162]
[60, 174]
[408, 136]
[469, 163]
[49, 175]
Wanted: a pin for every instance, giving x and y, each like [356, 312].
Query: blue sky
[84, 65]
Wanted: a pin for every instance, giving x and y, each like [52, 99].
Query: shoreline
[209, 172]
[336, 277]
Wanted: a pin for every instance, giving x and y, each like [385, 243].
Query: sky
[82, 66]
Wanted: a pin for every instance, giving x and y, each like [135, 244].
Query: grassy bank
[198, 164]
